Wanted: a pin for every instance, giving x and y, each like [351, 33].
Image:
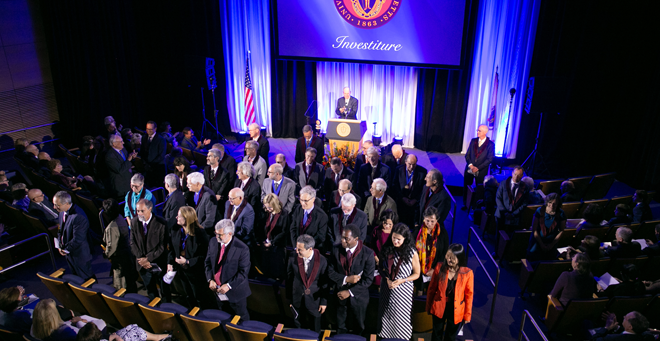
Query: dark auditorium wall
[607, 52]
[126, 59]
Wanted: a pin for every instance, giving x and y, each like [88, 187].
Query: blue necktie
[305, 218]
[123, 156]
[196, 198]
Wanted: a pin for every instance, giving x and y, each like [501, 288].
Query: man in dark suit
[174, 201]
[287, 171]
[642, 210]
[478, 157]
[511, 199]
[378, 202]
[152, 152]
[347, 214]
[241, 214]
[308, 284]
[308, 218]
[205, 202]
[249, 185]
[227, 266]
[217, 178]
[283, 187]
[351, 268]
[118, 162]
[345, 186]
[396, 158]
[149, 245]
[226, 161]
[634, 325]
[407, 185]
[72, 239]
[264, 146]
[653, 246]
[309, 173]
[625, 247]
[334, 174]
[189, 141]
[434, 194]
[347, 106]
[309, 140]
[361, 158]
[41, 208]
[371, 170]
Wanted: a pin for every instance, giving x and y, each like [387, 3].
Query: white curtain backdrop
[387, 94]
[245, 27]
[505, 39]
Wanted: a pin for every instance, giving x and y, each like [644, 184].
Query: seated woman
[578, 284]
[69, 182]
[381, 235]
[431, 243]
[590, 246]
[90, 332]
[12, 317]
[631, 284]
[272, 237]
[547, 226]
[592, 218]
[48, 325]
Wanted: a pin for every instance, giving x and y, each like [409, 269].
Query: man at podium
[347, 106]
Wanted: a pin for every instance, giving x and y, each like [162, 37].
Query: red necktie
[217, 274]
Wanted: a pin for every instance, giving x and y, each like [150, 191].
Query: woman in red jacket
[449, 298]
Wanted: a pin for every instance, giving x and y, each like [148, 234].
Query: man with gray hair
[72, 239]
[242, 215]
[308, 283]
[309, 218]
[406, 189]
[345, 186]
[371, 170]
[175, 200]
[625, 247]
[257, 161]
[204, 201]
[226, 161]
[536, 196]
[119, 166]
[344, 215]
[347, 105]
[149, 247]
[434, 194]
[263, 145]
[137, 192]
[248, 184]
[217, 178]
[378, 202]
[479, 155]
[283, 187]
[309, 172]
[287, 171]
[335, 173]
[309, 140]
[226, 266]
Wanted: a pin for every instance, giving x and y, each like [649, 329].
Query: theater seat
[562, 320]
[623, 305]
[294, 334]
[538, 277]
[249, 330]
[6, 335]
[164, 318]
[89, 295]
[126, 308]
[206, 324]
[57, 283]
[346, 337]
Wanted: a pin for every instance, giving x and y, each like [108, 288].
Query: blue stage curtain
[387, 94]
[246, 27]
[505, 40]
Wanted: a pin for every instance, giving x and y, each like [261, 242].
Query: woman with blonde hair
[271, 237]
[189, 245]
[48, 325]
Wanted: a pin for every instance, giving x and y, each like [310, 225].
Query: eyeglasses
[305, 201]
[136, 186]
[232, 199]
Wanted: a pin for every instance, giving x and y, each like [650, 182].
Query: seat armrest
[154, 302]
[502, 244]
[554, 312]
[279, 328]
[194, 311]
[120, 292]
[235, 319]
[526, 274]
[88, 283]
[58, 273]
[326, 333]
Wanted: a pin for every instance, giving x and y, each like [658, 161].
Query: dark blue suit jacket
[73, 236]
[120, 172]
[235, 267]
[364, 179]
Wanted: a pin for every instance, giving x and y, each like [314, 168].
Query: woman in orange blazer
[449, 298]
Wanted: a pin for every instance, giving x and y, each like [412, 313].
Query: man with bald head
[347, 105]
[478, 157]
[287, 171]
[408, 183]
[41, 207]
[264, 146]
[396, 158]
[241, 213]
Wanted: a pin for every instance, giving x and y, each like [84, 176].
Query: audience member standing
[434, 195]
[248, 184]
[118, 248]
[283, 187]
[308, 218]
[73, 239]
[259, 164]
[309, 173]
[272, 237]
[181, 170]
[241, 214]
[381, 234]
[370, 171]
[226, 161]
[227, 266]
[361, 159]
[378, 202]
[333, 175]
[478, 157]
[548, 224]
[511, 200]
[345, 186]
[344, 215]
[217, 178]
[432, 242]
[152, 151]
[263, 146]
[174, 200]
[118, 162]
[204, 201]
[149, 239]
[407, 185]
[396, 158]
[309, 140]
[137, 193]
[287, 171]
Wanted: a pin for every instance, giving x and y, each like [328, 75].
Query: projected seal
[367, 13]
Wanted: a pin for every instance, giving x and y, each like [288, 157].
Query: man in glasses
[72, 241]
[149, 246]
[478, 157]
[241, 214]
[136, 193]
[283, 187]
[309, 218]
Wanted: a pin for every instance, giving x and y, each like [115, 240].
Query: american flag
[249, 105]
[493, 101]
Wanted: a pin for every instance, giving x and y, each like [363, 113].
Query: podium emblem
[343, 129]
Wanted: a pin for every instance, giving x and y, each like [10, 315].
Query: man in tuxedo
[408, 183]
[189, 141]
[371, 170]
[434, 194]
[351, 268]
[149, 245]
[345, 186]
[204, 200]
[634, 325]
[241, 214]
[287, 171]
[478, 157]
[227, 266]
[152, 152]
[344, 215]
[283, 187]
[308, 283]
[174, 200]
[248, 184]
[625, 247]
[308, 218]
[263, 146]
[334, 174]
[72, 239]
[259, 164]
[226, 161]
[396, 158]
[217, 178]
[642, 210]
[361, 159]
[347, 106]
[309, 140]
[511, 199]
[309, 172]
[118, 162]
[378, 202]
[41, 208]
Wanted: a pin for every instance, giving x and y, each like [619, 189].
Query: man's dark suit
[173, 203]
[365, 178]
[119, 169]
[330, 184]
[391, 161]
[601, 334]
[360, 160]
[229, 163]
[439, 199]
[206, 209]
[154, 247]
[251, 192]
[288, 172]
[334, 200]
[315, 178]
[363, 263]
[235, 265]
[407, 199]
[351, 112]
[220, 184]
[480, 157]
[243, 224]
[48, 215]
[624, 250]
[508, 203]
[301, 148]
[317, 228]
[73, 237]
[642, 212]
[307, 305]
[336, 216]
[153, 155]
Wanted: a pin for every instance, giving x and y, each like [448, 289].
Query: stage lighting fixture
[398, 140]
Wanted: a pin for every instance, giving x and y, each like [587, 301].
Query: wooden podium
[345, 133]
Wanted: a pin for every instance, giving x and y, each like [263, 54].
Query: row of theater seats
[119, 309]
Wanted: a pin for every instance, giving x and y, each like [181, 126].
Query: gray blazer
[206, 209]
[287, 192]
[260, 169]
[387, 204]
